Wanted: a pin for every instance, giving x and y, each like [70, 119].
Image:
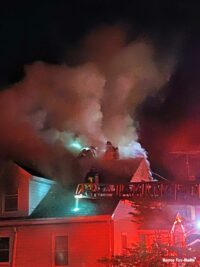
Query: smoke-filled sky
[93, 71]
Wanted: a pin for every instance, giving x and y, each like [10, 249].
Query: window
[11, 199]
[61, 251]
[124, 243]
[4, 249]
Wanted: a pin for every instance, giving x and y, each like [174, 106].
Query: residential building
[43, 225]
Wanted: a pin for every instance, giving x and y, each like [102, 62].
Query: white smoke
[101, 103]
[86, 105]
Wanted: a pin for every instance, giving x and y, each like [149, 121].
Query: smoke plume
[56, 110]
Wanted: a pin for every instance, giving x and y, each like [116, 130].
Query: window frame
[4, 202]
[9, 251]
[54, 249]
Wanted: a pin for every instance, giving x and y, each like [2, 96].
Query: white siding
[123, 225]
[38, 189]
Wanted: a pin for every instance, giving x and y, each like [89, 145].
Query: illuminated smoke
[133, 75]
[55, 110]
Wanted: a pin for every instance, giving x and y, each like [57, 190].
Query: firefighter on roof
[110, 151]
[88, 153]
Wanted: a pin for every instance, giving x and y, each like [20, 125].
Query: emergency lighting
[78, 196]
[198, 224]
[76, 209]
[76, 205]
[76, 144]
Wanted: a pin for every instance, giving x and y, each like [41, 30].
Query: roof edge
[42, 180]
[79, 219]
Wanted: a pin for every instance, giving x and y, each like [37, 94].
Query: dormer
[21, 190]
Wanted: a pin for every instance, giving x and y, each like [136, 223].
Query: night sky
[51, 31]
[54, 32]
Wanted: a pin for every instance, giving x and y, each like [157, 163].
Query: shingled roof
[114, 171]
[59, 202]
[30, 170]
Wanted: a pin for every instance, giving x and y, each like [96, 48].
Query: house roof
[117, 171]
[59, 202]
[111, 171]
[32, 171]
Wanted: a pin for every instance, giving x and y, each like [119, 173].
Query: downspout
[14, 247]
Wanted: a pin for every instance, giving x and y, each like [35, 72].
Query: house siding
[22, 179]
[37, 191]
[123, 225]
[89, 237]
[87, 242]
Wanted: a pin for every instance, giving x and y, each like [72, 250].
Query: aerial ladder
[188, 192]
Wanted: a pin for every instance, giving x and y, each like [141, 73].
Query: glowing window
[61, 251]
[4, 249]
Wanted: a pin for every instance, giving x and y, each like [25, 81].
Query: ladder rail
[169, 191]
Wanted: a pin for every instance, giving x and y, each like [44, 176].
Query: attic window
[11, 199]
[61, 251]
[4, 249]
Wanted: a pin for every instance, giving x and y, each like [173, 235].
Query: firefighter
[93, 151]
[88, 153]
[109, 146]
[82, 154]
[116, 153]
[90, 176]
[92, 180]
[110, 150]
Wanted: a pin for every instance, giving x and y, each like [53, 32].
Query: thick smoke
[133, 75]
[55, 110]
